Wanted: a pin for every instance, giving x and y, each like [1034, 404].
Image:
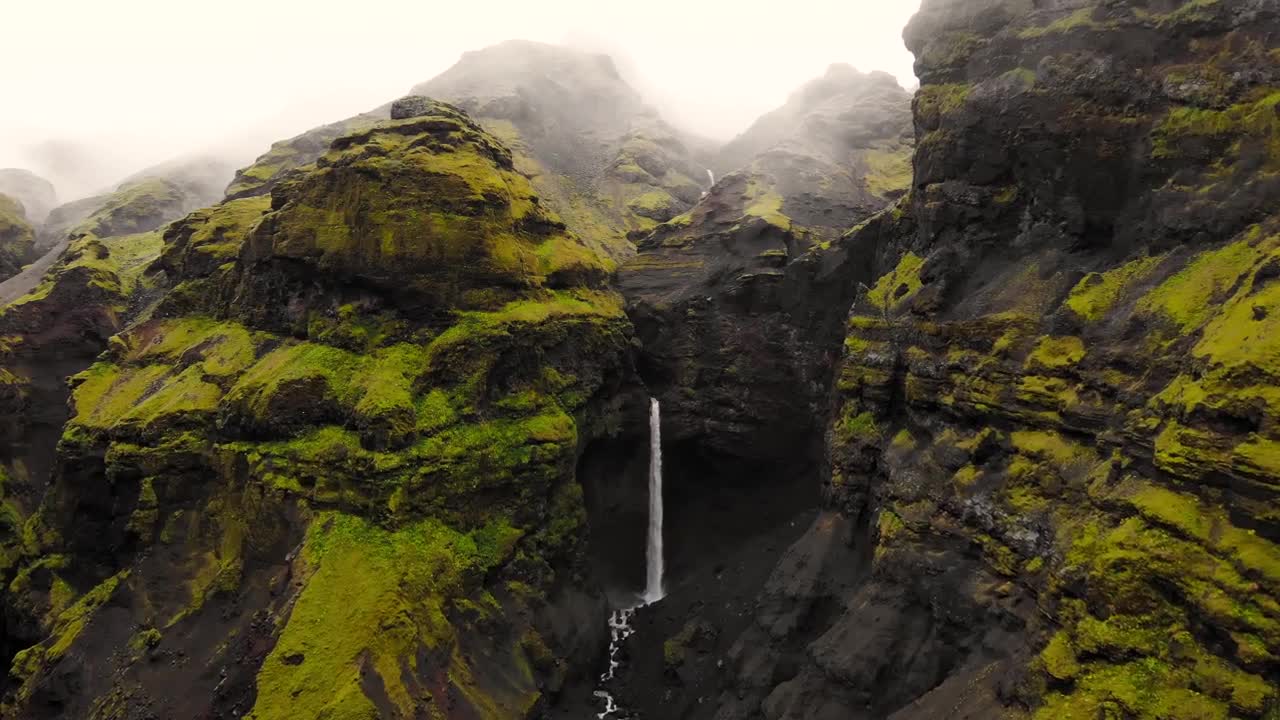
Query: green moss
[1055, 353]
[888, 172]
[935, 100]
[899, 286]
[1095, 295]
[764, 202]
[1059, 657]
[131, 254]
[1082, 18]
[854, 426]
[1144, 688]
[1024, 77]
[1191, 296]
[1210, 526]
[17, 237]
[212, 236]
[1049, 446]
[889, 525]
[374, 601]
[288, 155]
[222, 348]
[1256, 121]
[1244, 332]
[653, 204]
[67, 628]
[999, 557]
[86, 264]
[135, 207]
[145, 640]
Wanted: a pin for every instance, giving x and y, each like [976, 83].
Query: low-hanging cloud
[110, 88]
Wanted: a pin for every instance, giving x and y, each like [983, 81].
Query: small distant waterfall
[712, 176]
[653, 556]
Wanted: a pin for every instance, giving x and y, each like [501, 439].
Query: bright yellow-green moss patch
[131, 254]
[1055, 353]
[1049, 446]
[1191, 296]
[854, 425]
[1059, 657]
[87, 262]
[896, 287]
[1097, 293]
[765, 202]
[375, 601]
[1209, 525]
[1246, 330]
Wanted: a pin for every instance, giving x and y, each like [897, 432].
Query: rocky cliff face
[17, 237]
[739, 302]
[55, 319]
[1052, 487]
[334, 474]
[605, 162]
[995, 438]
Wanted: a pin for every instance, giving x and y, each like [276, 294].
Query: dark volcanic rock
[739, 302]
[1049, 451]
[411, 106]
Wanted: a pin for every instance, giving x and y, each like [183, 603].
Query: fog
[95, 91]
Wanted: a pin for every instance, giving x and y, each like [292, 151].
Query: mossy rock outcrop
[287, 155]
[335, 469]
[602, 159]
[17, 237]
[1055, 417]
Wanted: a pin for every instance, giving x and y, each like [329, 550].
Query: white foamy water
[619, 630]
[653, 590]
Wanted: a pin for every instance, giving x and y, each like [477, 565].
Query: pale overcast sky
[110, 87]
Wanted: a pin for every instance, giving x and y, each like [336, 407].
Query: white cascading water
[653, 556]
[620, 620]
[713, 178]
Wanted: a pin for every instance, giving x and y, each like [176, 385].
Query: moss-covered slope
[296, 152]
[608, 164]
[334, 475]
[1056, 421]
[17, 237]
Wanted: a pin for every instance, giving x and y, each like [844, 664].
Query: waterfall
[620, 620]
[653, 555]
[713, 178]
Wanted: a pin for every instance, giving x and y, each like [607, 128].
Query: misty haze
[573, 360]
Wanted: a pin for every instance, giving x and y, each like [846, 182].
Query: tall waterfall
[712, 176]
[653, 555]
